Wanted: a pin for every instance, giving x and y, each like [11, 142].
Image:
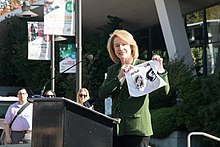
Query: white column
[53, 64]
[173, 28]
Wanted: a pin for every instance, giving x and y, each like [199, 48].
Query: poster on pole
[39, 44]
[67, 58]
[59, 17]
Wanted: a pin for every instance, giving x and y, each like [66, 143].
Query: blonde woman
[135, 128]
[82, 96]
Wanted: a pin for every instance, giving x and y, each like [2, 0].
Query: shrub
[200, 109]
[179, 76]
[163, 122]
[164, 107]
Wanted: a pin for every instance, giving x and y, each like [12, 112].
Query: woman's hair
[46, 93]
[78, 99]
[128, 38]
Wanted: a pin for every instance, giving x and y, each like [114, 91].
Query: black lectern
[60, 122]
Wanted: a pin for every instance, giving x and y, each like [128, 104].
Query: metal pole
[150, 54]
[205, 44]
[52, 61]
[78, 45]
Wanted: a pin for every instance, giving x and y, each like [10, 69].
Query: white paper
[143, 79]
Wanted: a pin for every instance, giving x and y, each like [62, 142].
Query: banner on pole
[38, 43]
[59, 17]
[67, 58]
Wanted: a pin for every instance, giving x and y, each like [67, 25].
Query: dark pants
[20, 138]
[131, 141]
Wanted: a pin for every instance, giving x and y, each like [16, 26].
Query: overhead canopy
[136, 14]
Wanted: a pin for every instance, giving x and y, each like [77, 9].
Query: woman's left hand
[160, 66]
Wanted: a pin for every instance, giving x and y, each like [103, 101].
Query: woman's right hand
[125, 68]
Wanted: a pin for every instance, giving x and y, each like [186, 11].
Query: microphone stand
[89, 57]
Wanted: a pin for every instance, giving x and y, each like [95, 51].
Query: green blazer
[133, 111]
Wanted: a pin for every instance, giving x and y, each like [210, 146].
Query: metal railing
[200, 133]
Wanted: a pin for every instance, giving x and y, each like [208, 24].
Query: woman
[50, 94]
[135, 127]
[82, 96]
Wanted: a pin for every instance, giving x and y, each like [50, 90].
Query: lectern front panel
[60, 122]
[48, 124]
[81, 131]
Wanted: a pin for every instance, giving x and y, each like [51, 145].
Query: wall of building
[8, 90]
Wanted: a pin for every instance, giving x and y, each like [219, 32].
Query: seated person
[83, 96]
[50, 94]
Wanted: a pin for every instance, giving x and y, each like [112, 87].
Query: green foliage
[199, 103]
[16, 69]
[194, 17]
[200, 109]
[163, 122]
[93, 71]
[95, 42]
[197, 56]
[179, 75]
[163, 106]
[213, 12]
[211, 120]
[66, 84]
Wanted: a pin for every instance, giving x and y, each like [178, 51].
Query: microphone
[90, 102]
[89, 57]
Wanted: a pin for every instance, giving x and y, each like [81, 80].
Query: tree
[16, 69]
